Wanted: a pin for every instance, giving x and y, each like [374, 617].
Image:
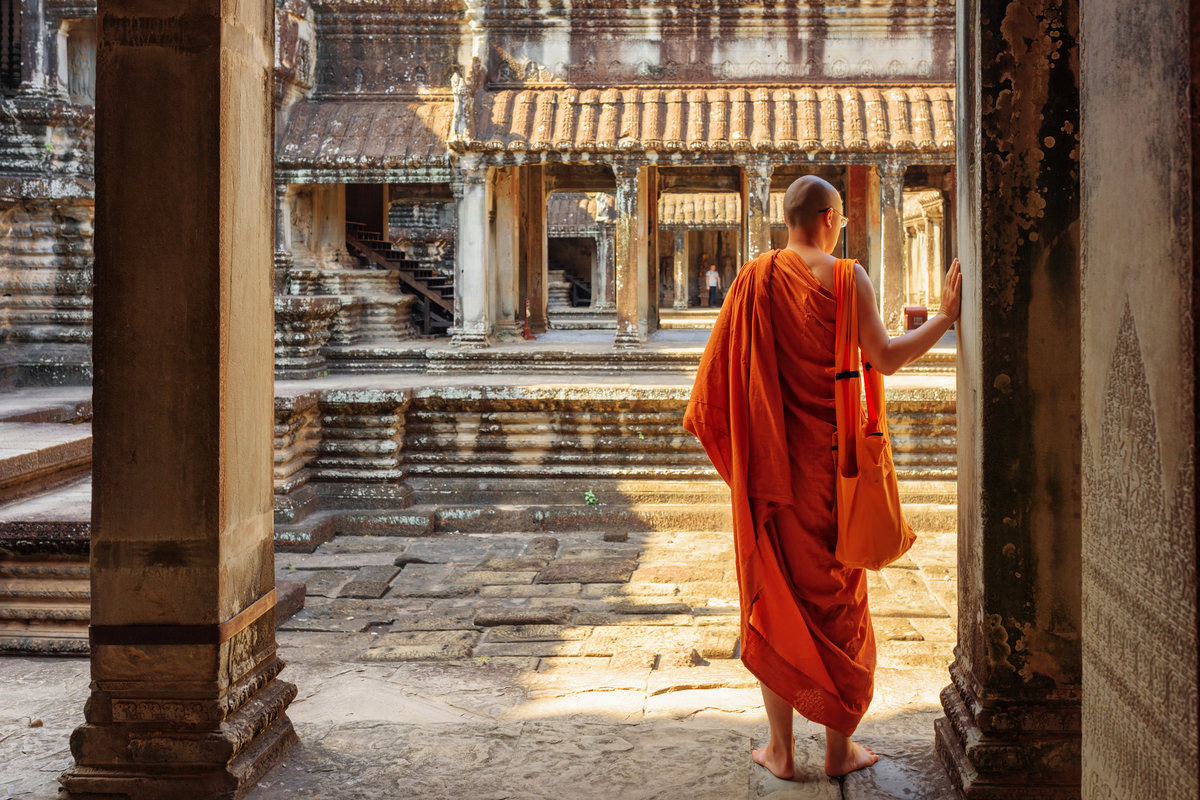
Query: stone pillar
[648, 249]
[472, 325]
[283, 236]
[681, 270]
[856, 200]
[626, 252]
[34, 79]
[1140, 338]
[329, 226]
[185, 696]
[535, 247]
[602, 292]
[934, 236]
[1012, 725]
[914, 266]
[756, 210]
[891, 273]
[507, 249]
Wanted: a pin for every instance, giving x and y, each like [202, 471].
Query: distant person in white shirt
[714, 285]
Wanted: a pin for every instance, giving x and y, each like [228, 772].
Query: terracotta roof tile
[413, 133]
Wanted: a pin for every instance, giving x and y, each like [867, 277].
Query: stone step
[35, 457]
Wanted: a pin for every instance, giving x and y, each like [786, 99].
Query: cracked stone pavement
[515, 666]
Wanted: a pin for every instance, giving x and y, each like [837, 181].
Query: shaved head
[806, 198]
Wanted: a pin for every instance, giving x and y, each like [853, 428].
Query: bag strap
[847, 379]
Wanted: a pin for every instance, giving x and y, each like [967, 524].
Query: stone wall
[1139, 383]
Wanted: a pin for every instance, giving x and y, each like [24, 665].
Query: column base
[509, 331]
[462, 340]
[1014, 750]
[627, 340]
[138, 745]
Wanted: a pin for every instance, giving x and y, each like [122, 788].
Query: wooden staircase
[434, 290]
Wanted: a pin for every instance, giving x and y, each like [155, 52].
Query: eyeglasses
[845, 219]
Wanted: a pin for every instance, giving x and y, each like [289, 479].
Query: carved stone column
[603, 297]
[472, 325]
[535, 247]
[629, 284]
[185, 696]
[1012, 725]
[1140, 255]
[507, 249]
[681, 270]
[935, 253]
[757, 210]
[34, 74]
[891, 273]
[283, 229]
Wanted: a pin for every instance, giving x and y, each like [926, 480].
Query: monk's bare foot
[843, 756]
[777, 760]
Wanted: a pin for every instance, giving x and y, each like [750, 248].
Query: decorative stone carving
[46, 289]
[301, 330]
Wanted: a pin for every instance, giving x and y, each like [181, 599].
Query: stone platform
[530, 666]
[435, 456]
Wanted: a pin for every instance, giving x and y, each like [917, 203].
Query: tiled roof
[571, 211]
[408, 133]
[828, 118]
[367, 135]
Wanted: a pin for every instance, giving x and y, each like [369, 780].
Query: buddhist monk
[763, 407]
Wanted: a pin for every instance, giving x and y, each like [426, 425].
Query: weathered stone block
[608, 570]
[542, 547]
[632, 659]
[537, 633]
[544, 615]
[422, 646]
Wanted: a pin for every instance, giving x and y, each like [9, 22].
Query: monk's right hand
[952, 292]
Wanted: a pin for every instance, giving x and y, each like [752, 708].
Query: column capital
[892, 171]
[625, 173]
[759, 171]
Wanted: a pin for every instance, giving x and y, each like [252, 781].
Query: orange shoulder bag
[872, 532]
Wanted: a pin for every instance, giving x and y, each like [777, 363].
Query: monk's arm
[889, 355]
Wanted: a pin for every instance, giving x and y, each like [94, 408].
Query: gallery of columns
[631, 148]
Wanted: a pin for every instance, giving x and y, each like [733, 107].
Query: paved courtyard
[540, 666]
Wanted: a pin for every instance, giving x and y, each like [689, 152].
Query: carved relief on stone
[522, 121]
[877, 131]
[943, 118]
[831, 119]
[760, 136]
[543, 122]
[898, 119]
[853, 129]
[718, 120]
[606, 133]
[807, 131]
[631, 127]
[673, 134]
[922, 121]
[739, 132]
[1138, 566]
[785, 120]
[568, 110]
[695, 119]
[588, 114]
[651, 118]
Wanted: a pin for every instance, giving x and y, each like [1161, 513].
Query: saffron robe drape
[763, 407]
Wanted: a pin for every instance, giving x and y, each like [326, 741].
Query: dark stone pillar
[186, 700]
[535, 247]
[1013, 709]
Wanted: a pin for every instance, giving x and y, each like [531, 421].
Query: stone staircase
[433, 286]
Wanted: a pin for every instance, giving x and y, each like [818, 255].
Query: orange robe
[763, 407]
